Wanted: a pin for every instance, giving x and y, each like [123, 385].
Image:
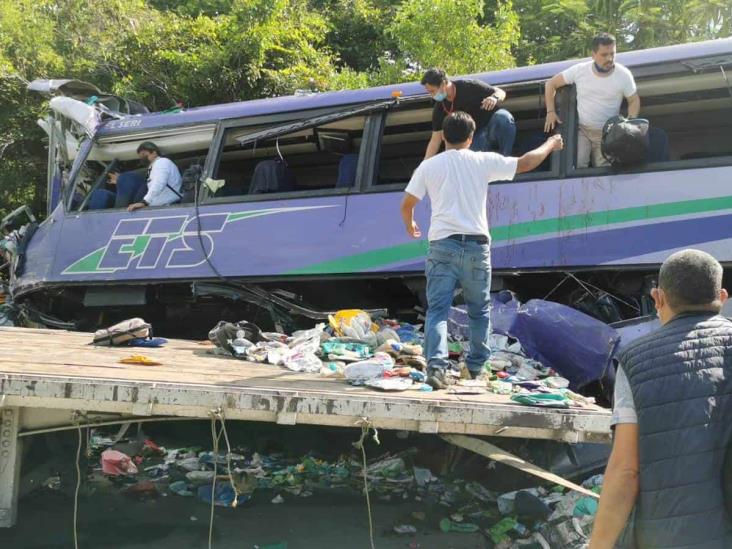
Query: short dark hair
[458, 127]
[691, 279]
[434, 77]
[602, 39]
[148, 146]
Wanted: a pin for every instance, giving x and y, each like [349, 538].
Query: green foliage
[449, 34]
[212, 51]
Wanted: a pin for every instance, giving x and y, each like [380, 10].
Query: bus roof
[292, 103]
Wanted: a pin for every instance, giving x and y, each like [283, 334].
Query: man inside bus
[163, 179]
[495, 129]
[456, 182]
[129, 187]
[601, 86]
[669, 469]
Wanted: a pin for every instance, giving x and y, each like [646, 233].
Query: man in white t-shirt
[456, 182]
[601, 86]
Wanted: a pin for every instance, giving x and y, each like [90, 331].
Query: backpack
[121, 333]
[625, 141]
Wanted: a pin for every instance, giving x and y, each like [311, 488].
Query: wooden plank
[495, 453]
[57, 369]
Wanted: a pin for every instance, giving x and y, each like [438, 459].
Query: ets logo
[153, 243]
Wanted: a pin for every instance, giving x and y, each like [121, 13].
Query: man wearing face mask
[495, 128]
[163, 180]
[601, 86]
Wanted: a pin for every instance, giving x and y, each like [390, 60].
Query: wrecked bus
[292, 208]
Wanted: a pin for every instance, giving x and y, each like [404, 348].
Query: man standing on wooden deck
[673, 404]
[459, 253]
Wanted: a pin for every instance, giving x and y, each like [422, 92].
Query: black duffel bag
[625, 141]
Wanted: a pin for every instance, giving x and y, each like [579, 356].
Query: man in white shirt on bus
[601, 86]
[456, 182]
[163, 180]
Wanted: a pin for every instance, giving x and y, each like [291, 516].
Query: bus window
[95, 188]
[690, 118]
[308, 160]
[408, 129]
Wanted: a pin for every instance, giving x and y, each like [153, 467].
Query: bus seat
[530, 140]
[657, 145]
[347, 171]
[101, 199]
[272, 176]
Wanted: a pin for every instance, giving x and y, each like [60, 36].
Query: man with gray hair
[665, 480]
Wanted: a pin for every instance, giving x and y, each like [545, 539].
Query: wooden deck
[44, 370]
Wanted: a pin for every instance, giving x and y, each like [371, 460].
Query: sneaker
[436, 378]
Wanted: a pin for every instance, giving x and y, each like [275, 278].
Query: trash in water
[447, 525]
[223, 495]
[116, 463]
[180, 487]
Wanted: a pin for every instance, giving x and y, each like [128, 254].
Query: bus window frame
[555, 171]
[85, 148]
[570, 138]
[214, 158]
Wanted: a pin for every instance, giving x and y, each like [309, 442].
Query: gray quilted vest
[681, 379]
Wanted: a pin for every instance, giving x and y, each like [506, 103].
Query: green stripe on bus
[415, 250]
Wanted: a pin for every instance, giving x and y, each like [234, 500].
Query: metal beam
[10, 454]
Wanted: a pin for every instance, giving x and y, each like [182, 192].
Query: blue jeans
[449, 263]
[131, 188]
[497, 135]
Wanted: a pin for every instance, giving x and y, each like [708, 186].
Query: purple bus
[328, 233]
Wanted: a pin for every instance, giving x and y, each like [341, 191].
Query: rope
[78, 483]
[366, 427]
[218, 414]
[215, 438]
[228, 458]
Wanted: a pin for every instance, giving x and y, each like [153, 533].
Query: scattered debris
[387, 355]
[142, 360]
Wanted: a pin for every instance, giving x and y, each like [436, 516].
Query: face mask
[598, 68]
[440, 96]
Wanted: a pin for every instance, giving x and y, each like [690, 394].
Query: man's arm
[407, 209]
[620, 488]
[550, 90]
[532, 159]
[433, 147]
[489, 103]
[634, 105]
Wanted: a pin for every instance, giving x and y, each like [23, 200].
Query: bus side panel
[613, 220]
[38, 265]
